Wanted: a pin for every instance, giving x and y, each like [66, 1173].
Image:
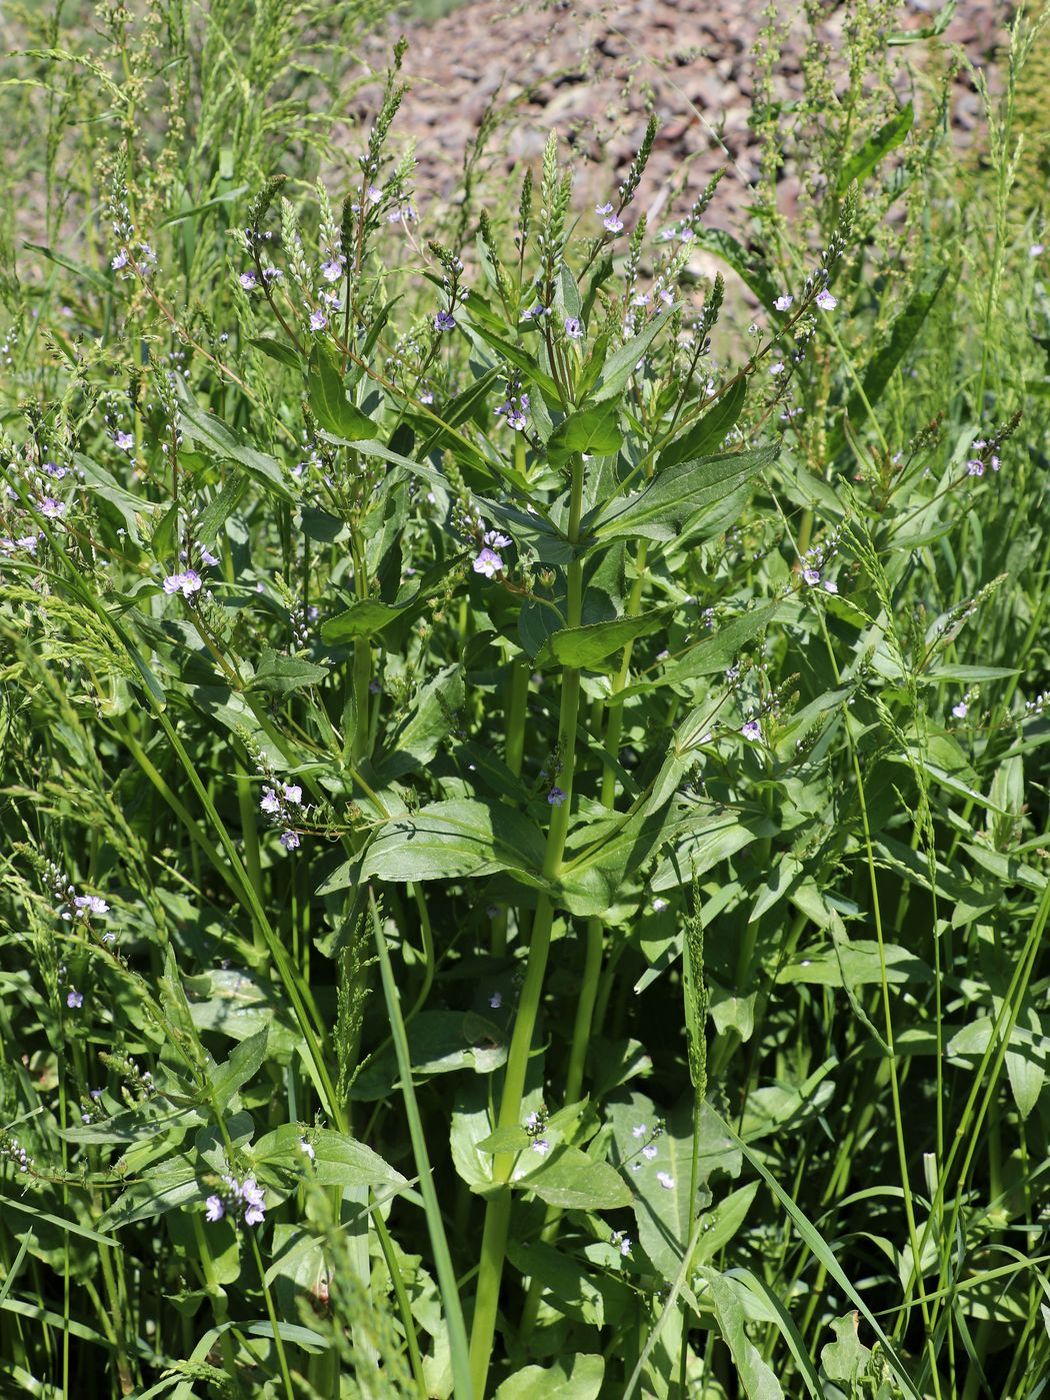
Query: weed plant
[525, 822]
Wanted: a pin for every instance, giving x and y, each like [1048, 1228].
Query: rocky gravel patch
[595, 70]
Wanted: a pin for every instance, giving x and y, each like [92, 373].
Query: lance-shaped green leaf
[619, 367]
[718, 651]
[521, 359]
[449, 840]
[888, 136]
[756, 1379]
[573, 1181]
[328, 401]
[588, 648]
[743, 262]
[708, 431]
[594, 431]
[877, 374]
[673, 497]
[337, 1160]
[226, 445]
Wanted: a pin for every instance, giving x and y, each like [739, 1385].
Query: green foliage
[525, 843]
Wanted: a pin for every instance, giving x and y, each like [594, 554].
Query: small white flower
[665, 1180]
[825, 300]
[307, 1149]
[639, 1130]
[293, 793]
[783, 303]
[830, 586]
[961, 710]
[649, 1151]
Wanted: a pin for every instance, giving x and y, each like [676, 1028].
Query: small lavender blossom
[120, 261]
[255, 1201]
[642, 299]
[272, 274]
[74, 1000]
[783, 303]
[444, 321]
[374, 194]
[293, 793]
[214, 1209]
[666, 1180]
[55, 472]
[825, 300]
[613, 224]
[517, 420]
[960, 710]
[125, 441]
[639, 1130]
[496, 1000]
[426, 396]
[318, 320]
[603, 208]
[778, 368]
[52, 508]
[488, 563]
[649, 1151]
[830, 586]
[332, 270]
[1036, 249]
[290, 842]
[573, 329]
[542, 1146]
[269, 802]
[659, 905]
[495, 540]
[556, 796]
[208, 558]
[975, 467]
[812, 577]
[752, 730]
[87, 904]
[248, 281]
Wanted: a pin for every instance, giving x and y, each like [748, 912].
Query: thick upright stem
[498, 1209]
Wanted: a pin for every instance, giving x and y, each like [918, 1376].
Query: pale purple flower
[332, 270]
[830, 586]
[556, 796]
[960, 710]
[56, 473]
[825, 300]
[254, 1199]
[542, 1146]
[517, 419]
[752, 730]
[27, 542]
[496, 1000]
[778, 368]
[74, 999]
[1035, 250]
[613, 224]
[125, 441]
[573, 329]
[269, 802]
[603, 208]
[318, 320]
[293, 793]
[495, 540]
[659, 905]
[975, 467]
[649, 1151]
[249, 281]
[639, 1130]
[783, 303]
[272, 274]
[685, 234]
[665, 1180]
[191, 582]
[173, 583]
[121, 260]
[290, 841]
[214, 1209]
[374, 194]
[444, 321]
[52, 508]
[87, 904]
[208, 558]
[812, 577]
[642, 299]
[426, 396]
[488, 563]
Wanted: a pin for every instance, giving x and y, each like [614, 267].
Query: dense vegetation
[525, 864]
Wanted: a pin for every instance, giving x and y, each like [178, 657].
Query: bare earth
[594, 70]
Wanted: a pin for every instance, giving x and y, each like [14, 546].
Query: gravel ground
[594, 70]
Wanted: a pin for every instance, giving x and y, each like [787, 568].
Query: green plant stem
[498, 1209]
